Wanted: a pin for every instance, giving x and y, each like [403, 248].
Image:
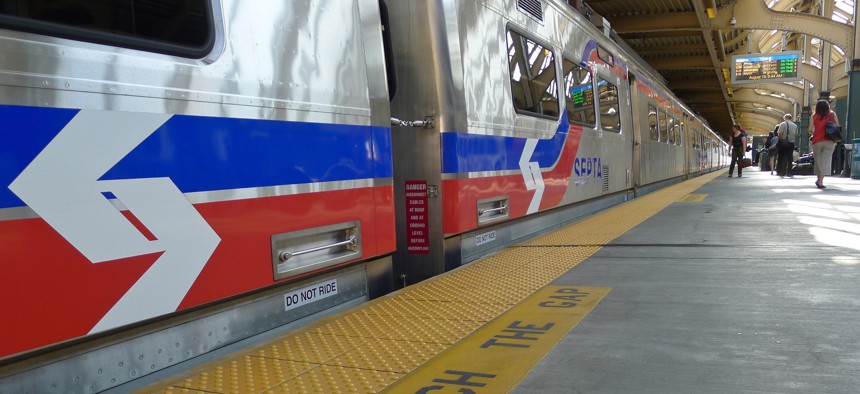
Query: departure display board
[582, 96]
[766, 67]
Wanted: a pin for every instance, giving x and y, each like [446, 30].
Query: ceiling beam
[645, 48]
[706, 97]
[789, 91]
[750, 96]
[755, 14]
[656, 22]
[768, 121]
[704, 18]
[743, 35]
[693, 84]
[686, 62]
[660, 34]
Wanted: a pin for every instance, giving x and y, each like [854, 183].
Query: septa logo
[588, 167]
[63, 186]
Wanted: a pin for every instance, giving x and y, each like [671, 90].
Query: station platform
[712, 285]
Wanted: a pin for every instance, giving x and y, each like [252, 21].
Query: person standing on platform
[787, 134]
[822, 147]
[739, 146]
[770, 143]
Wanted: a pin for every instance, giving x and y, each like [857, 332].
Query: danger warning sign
[417, 236]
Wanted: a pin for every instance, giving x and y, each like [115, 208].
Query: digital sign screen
[608, 92]
[766, 67]
[582, 96]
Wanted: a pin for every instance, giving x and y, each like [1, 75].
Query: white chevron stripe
[532, 175]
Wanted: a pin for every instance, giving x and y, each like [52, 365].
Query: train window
[610, 118]
[667, 129]
[390, 70]
[181, 28]
[653, 127]
[605, 56]
[670, 130]
[533, 81]
[579, 93]
[661, 124]
[678, 132]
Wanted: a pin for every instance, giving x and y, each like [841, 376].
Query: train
[178, 176]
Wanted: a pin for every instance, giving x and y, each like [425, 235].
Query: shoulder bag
[832, 131]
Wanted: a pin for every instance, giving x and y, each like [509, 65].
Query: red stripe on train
[51, 293]
[461, 196]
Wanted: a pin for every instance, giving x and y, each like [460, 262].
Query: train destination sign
[766, 67]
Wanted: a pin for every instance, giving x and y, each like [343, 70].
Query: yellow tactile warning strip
[370, 347]
[519, 338]
[693, 198]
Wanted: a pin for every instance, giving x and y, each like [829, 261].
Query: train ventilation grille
[531, 7]
[606, 178]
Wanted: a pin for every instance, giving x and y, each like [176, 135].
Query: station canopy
[692, 45]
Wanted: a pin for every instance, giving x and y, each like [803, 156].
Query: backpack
[773, 141]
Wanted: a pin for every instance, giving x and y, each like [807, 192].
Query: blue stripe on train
[207, 153]
[464, 153]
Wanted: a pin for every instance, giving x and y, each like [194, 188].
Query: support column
[805, 113]
[852, 123]
[826, 49]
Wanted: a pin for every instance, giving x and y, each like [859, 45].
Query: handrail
[284, 256]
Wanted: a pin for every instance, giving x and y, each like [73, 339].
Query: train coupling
[427, 123]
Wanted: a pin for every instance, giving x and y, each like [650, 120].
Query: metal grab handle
[426, 123]
[284, 256]
[501, 209]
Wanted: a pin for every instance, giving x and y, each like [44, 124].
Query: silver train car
[539, 119]
[180, 176]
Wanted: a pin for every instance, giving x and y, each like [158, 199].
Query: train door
[629, 135]
[686, 143]
[636, 114]
[616, 124]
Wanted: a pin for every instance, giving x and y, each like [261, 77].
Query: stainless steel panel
[429, 84]
[380, 277]
[280, 60]
[374, 56]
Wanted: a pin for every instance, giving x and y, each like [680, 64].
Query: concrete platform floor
[753, 289]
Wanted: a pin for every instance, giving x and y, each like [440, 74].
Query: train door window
[610, 117]
[533, 79]
[670, 130]
[390, 70]
[667, 129]
[653, 127]
[181, 28]
[579, 93]
[605, 56]
[678, 133]
[661, 115]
